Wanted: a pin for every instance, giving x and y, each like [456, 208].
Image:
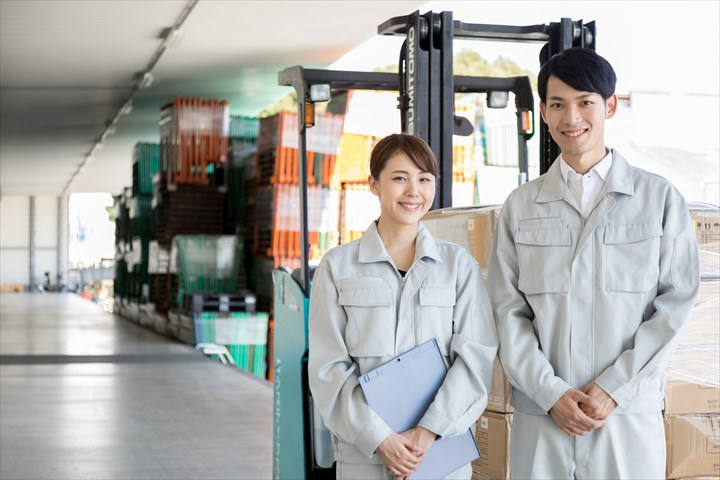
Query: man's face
[576, 121]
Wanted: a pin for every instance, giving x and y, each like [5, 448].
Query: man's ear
[542, 110]
[611, 106]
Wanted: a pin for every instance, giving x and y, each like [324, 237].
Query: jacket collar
[372, 248]
[619, 180]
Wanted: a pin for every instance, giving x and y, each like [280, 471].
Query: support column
[62, 241]
[31, 246]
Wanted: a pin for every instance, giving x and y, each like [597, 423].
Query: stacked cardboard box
[471, 227]
[474, 229]
[692, 395]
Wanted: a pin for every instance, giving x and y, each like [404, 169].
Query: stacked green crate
[207, 264]
[243, 334]
[242, 145]
[242, 148]
[122, 238]
[146, 164]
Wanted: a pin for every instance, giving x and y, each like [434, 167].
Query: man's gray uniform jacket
[363, 313]
[602, 299]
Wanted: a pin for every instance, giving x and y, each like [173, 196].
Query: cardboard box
[706, 220]
[470, 227]
[693, 376]
[693, 445]
[499, 398]
[492, 434]
[691, 398]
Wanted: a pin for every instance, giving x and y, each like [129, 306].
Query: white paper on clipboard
[400, 392]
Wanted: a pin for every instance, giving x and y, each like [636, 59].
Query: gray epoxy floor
[85, 394]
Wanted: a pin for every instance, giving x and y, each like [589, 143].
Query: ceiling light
[147, 80]
[127, 108]
[173, 39]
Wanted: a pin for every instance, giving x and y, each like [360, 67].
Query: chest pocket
[544, 256]
[633, 256]
[436, 315]
[370, 307]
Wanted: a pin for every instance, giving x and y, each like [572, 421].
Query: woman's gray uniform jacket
[602, 299]
[363, 313]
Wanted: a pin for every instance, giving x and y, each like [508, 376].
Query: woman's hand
[422, 438]
[396, 452]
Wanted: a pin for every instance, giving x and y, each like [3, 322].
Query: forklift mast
[426, 87]
[426, 69]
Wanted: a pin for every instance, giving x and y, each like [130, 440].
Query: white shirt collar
[602, 168]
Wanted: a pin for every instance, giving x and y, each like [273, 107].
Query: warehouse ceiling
[67, 69]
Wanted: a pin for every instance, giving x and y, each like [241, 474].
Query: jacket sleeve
[333, 375]
[464, 393]
[525, 365]
[677, 287]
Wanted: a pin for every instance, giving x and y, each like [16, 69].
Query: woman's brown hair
[414, 147]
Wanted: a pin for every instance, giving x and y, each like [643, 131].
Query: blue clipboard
[400, 392]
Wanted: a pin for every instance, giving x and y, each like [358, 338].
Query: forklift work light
[320, 92]
[497, 99]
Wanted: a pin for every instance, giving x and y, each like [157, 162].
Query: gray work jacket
[602, 299]
[363, 313]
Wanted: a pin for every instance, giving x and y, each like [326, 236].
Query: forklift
[301, 443]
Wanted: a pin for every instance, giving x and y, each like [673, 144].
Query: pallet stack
[185, 210]
[189, 193]
[194, 136]
[146, 163]
[358, 208]
[276, 236]
[122, 240]
[242, 147]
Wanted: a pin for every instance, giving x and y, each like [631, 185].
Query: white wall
[14, 240]
[49, 255]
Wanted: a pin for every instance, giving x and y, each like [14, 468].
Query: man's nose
[572, 114]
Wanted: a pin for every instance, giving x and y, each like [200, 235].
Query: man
[593, 277]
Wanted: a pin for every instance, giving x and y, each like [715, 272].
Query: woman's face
[405, 193]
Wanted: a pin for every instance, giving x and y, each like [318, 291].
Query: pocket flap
[366, 297]
[545, 236]
[437, 296]
[632, 233]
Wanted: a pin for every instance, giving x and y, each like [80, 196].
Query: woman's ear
[374, 187]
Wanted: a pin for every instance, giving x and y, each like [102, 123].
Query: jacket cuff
[437, 423]
[370, 438]
[621, 391]
[550, 392]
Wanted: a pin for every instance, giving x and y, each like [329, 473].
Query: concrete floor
[85, 394]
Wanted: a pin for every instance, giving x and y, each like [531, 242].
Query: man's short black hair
[581, 68]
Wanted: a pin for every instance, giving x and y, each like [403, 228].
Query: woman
[385, 293]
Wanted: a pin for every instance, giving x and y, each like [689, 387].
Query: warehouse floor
[85, 394]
